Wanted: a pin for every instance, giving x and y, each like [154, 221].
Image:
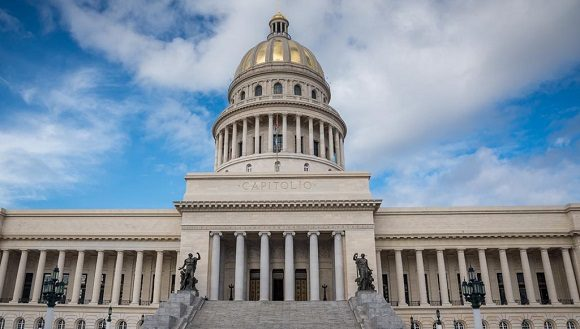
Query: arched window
[242, 95]
[39, 323]
[20, 323]
[60, 324]
[101, 324]
[248, 168]
[122, 325]
[570, 324]
[277, 166]
[416, 325]
[548, 324]
[81, 324]
[313, 94]
[277, 88]
[297, 90]
[306, 167]
[458, 325]
[503, 324]
[526, 324]
[258, 91]
[2, 323]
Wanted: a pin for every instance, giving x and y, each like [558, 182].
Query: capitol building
[280, 219]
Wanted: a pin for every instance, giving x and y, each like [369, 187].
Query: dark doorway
[301, 291]
[544, 296]
[254, 285]
[26, 288]
[278, 284]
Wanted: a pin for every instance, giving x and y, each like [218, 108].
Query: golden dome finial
[278, 15]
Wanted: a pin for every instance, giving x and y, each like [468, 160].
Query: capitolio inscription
[277, 185]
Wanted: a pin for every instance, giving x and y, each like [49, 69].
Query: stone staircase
[274, 315]
[176, 313]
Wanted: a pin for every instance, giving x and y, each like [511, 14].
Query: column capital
[266, 233]
[337, 232]
[460, 249]
[378, 250]
[81, 250]
[524, 249]
[159, 250]
[270, 115]
[23, 249]
[398, 249]
[440, 250]
[138, 250]
[289, 232]
[565, 249]
[419, 249]
[120, 251]
[242, 233]
[544, 249]
[100, 250]
[212, 233]
[313, 232]
[481, 249]
[502, 249]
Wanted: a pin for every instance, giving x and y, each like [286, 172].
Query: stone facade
[277, 220]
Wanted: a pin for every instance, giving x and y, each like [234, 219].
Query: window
[122, 325]
[548, 324]
[81, 324]
[386, 287]
[277, 166]
[306, 167]
[242, 95]
[522, 289]
[20, 323]
[60, 324]
[503, 324]
[526, 324]
[313, 94]
[248, 168]
[277, 88]
[25, 298]
[258, 91]
[297, 90]
[277, 143]
[570, 324]
[502, 298]
[39, 323]
[316, 147]
[406, 285]
[543, 288]
[458, 325]
[101, 324]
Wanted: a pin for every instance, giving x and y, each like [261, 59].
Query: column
[234, 140]
[314, 266]
[442, 278]
[77, 279]
[337, 145]
[3, 268]
[289, 275]
[215, 264]
[576, 262]
[264, 265]
[60, 263]
[226, 144]
[379, 273]
[572, 287]
[462, 266]
[215, 160]
[310, 136]
[220, 149]
[244, 137]
[20, 277]
[338, 265]
[506, 276]
[421, 277]
[485, 276]
[330, 144]
[38, 277]
[322, 152]
[400, 282]
[298, 135]
[240, 266]
[117, 278]
[256, 134]
[284, 132]
[136, 298]
[342, 161]
[270, 133]
[158, 275]
[549, 277]
[530, 292]
[97, 278]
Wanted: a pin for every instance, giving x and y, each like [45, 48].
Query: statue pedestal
[373, 312]
[176, 312]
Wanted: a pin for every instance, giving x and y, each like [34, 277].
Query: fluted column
[3, 268]
[20, 277]
[136, 298]
[421, 277]
[158, 275]
[576, 263]
[215, 265]
[77, 279]
[298, 135]
[256, 134]
[485, 276]
[506, 276]
[284, 132]
[322, 144]
[337, 145]
[379, 272]
[549, 276]
[530, 292]
[310, 136]
[60, 263]
[264, 265]
[117, 278]
[314, 266]
[217, 150]
[462, 266]
[289, 277]
[240, 266]
[572, 287]
[400, 278]
[338, 265]
[97, 278]
[220, 147]
[245, 137]
[342, 161]
[331, 144]
[442, 278]
[234, 140]
[225, 156]
[270, 133]
[38, 277]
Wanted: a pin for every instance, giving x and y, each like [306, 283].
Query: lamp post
[324, 286]
[231, 286]
[474, 292]
[108, 325]
[52, 291]
[438, 324]
[414, 324]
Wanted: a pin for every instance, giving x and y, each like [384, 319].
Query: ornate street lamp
[474, 292]
[231, 286]
[108, 326]
[324, 286]
[52, 292]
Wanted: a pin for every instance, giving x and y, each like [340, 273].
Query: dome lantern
[279, 26]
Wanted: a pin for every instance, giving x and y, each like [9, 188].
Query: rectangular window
[46, 276]
[121, 289]
[277, 143]
[172, 282]
[501, 289]
[522, 289]
[459, 288]
[301, 285]
[254, 293]
[151, 292]
[26, 288]
[386, 287]
[260, 144]
[406, 284]
[316, 147]
[102, 288]
[65, 277]
[427, 288]
[544, 296]
[83, 288]
[301, 144]
[141, 290]
[239, 148]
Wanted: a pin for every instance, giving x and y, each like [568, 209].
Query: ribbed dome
[279, 49]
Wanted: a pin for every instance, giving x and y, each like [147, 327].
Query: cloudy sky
[109, 104]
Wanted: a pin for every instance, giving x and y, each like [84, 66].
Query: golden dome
[278, 15]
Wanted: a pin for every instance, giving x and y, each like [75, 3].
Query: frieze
[277, 185]
[257, 228]
[281, 205]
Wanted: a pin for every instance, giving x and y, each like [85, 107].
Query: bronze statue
[364, 278]
[187, 273]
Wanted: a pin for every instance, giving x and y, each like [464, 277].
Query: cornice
[282, 205]
[279, 228]
[92, 237]
[169, 212]
[480, 210]
[469, 236]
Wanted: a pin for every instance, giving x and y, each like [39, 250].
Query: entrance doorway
[301, 291]
[278, 284]
[254, 285]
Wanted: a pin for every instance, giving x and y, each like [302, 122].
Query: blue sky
[109, 104]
